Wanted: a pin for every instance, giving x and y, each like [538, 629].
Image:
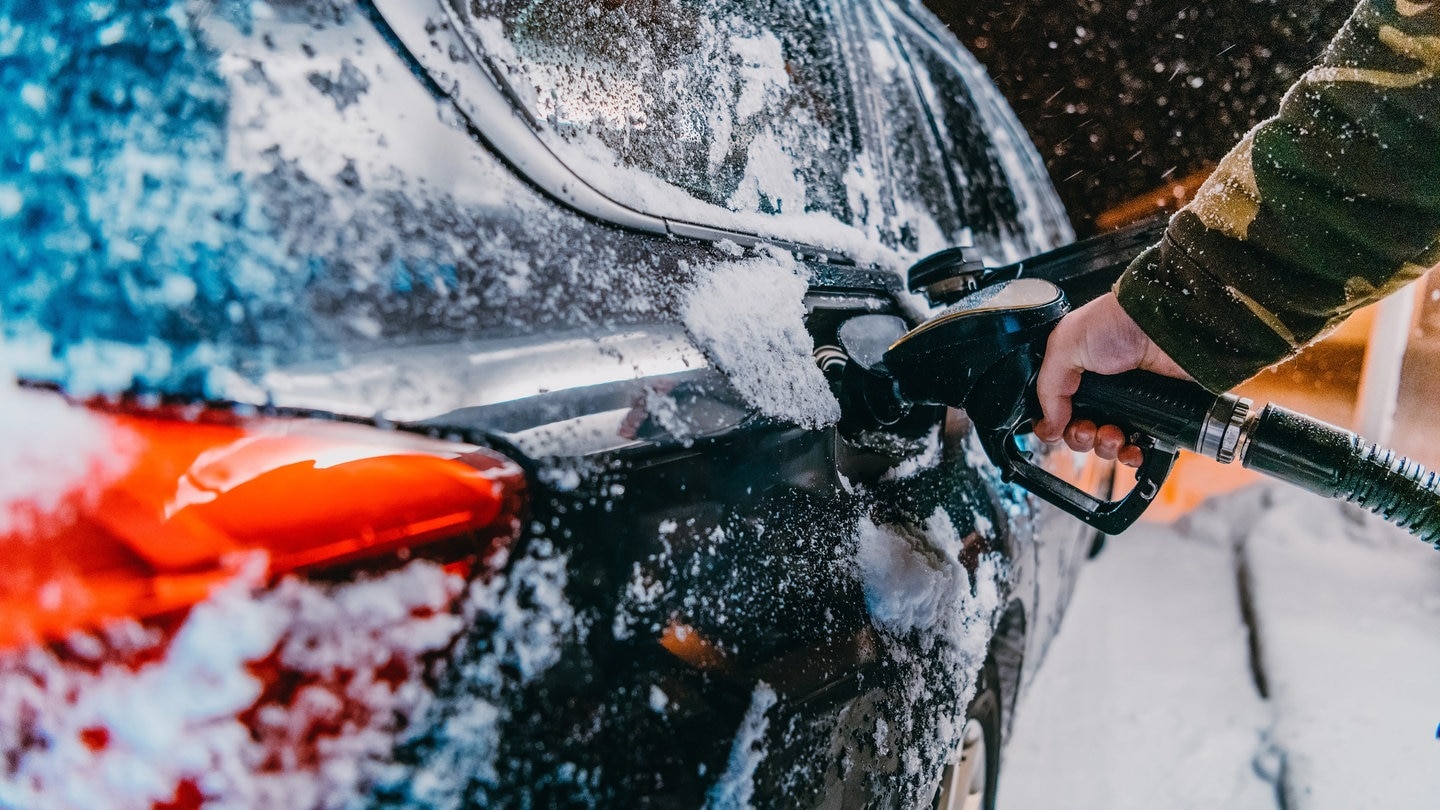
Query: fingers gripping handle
[1002, 433]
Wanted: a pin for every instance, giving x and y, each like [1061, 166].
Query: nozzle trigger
[1110, 517]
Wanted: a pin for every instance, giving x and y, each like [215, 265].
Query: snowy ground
[1151, 696]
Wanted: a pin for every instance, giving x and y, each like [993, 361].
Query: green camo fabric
[1328, 206]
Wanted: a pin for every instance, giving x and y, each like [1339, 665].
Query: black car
[584, 263]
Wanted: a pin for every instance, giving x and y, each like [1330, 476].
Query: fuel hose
[1276, 441]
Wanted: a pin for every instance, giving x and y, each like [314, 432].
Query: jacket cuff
[1196, 319]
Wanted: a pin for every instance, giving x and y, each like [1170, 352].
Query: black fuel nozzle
[982, 354]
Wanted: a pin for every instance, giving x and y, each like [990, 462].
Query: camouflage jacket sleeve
[1328, 206]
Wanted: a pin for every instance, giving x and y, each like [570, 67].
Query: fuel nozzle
[983, 352]
[944, 358]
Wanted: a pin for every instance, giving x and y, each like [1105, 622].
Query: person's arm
[1329, 206]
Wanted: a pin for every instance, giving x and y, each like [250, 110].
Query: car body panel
[723, 592]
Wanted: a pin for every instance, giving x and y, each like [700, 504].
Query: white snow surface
[736, 787]
[912, 585]
[176, 718]
[750, 317]
[1146, 699]
[52, 450]
[1348, 614]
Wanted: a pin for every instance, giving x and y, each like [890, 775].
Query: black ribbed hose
[1339, 464]
[1279, 442]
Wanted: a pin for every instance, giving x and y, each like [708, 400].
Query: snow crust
[750, 317]
[735, 789]
[53, 451]
[95, 723]
[918, 589]
[912, 586]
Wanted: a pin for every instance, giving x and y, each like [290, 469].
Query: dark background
[1122, 97]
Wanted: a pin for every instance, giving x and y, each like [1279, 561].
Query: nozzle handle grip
[1164, 408]
[1336, 463]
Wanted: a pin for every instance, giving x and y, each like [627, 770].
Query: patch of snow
[100, 731]
[725, 246]
[762, 74]
[534, 615]
[749, 316]
[1347, 613]
[471, 746]
[921, 584]
[561, 478]
[1147, 700]
[460, 737]
[735, 788]
[1144, 699]
[52, 450]
[770, 178]
[641, 593]
[928, 457]
[920, 593]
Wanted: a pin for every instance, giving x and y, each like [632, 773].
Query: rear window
[661, 105]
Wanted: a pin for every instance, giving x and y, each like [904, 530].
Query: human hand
[1102, 338]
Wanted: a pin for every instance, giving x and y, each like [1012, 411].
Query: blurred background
[1126, 96]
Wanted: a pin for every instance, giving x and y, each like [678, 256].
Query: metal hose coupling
[1222, 433]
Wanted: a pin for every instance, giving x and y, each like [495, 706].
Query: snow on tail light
[239, 613]
[198, 499]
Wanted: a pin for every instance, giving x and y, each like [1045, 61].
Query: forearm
[1331, 204]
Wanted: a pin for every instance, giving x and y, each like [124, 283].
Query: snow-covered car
[436, 404]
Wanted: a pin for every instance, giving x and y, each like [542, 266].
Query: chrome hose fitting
[1222, 432]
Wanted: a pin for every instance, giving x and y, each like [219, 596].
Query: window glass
[920, 209]
[662, 104]
[1005, 198]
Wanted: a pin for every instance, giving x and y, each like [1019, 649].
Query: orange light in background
[1166, 199]
[1194, 480]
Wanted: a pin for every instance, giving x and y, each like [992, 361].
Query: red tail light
[196, 502]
